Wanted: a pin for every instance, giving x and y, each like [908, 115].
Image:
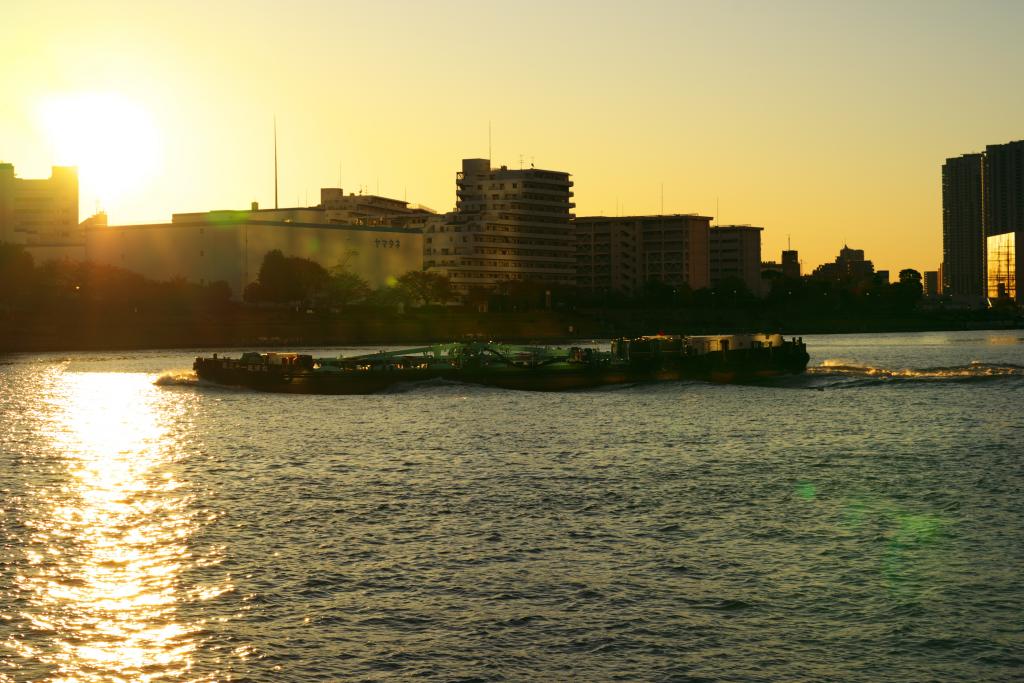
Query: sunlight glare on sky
[111, 140]
[824, 122]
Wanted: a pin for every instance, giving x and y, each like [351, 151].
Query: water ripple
[164, 530]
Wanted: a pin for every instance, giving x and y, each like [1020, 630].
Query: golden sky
[826, 122]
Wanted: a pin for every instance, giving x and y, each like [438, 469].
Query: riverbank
[244, 326]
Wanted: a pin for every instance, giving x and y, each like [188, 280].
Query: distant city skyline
[825, 123]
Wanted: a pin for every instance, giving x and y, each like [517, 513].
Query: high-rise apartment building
[963, 225]
[508, 225]
[735, 252]
[620, 254]
[1004, 220]
[39, 211]
[982, 220]
[1004, 188]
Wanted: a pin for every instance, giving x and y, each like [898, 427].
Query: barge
[658, 358]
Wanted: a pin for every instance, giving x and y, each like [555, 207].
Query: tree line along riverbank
[238, 326]
[294, 302]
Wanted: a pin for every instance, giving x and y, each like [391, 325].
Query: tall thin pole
[275, 162]
[663, 199]
[488, 139]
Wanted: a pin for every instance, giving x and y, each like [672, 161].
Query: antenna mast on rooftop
[275, 162]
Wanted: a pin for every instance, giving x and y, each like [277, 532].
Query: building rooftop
[641, 217]
[229, 218]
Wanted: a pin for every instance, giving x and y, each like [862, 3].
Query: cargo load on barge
[658, 358]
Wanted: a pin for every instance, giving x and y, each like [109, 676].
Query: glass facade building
[1002, 266]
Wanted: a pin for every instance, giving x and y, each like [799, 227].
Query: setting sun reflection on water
[105, 556]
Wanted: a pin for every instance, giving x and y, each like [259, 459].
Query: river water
[863, 522]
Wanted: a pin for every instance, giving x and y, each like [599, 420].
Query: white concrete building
[508, 225]
[230, 246]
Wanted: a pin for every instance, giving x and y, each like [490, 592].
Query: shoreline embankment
[249, 327]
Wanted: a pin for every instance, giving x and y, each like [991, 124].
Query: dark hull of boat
[747, 365]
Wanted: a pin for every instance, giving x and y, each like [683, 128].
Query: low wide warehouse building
[229, 246]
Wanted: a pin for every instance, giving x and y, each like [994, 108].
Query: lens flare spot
[806, 490]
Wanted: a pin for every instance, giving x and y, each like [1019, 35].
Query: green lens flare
[806, 490]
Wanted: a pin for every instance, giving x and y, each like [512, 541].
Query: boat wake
[177, 378]
[844, 373]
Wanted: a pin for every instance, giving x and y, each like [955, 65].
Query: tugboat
[658, 358]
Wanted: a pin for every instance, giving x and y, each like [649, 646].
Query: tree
[16, 270]
[657, 294]
[910, 276]
[253, 293]
[908, 291]
[285, 279]
[344, 288]
[273, 277]
[309, 279]
[731, 292]
[217, 295]
[524, 295]
[420, 285]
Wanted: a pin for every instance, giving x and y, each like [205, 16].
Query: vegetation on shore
[294, 302]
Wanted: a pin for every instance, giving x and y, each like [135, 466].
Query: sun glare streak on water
[105, 554]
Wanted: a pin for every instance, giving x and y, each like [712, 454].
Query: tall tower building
[1004, 187]
[982, 222]
[963, 226]
[1004, 220]
[508, 225]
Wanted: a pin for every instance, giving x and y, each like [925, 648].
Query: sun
[110, 138]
